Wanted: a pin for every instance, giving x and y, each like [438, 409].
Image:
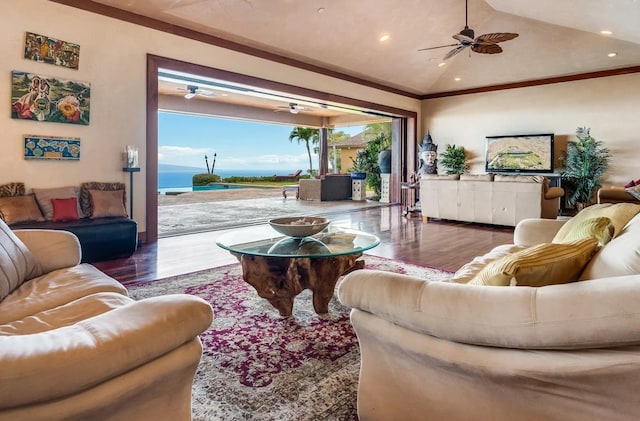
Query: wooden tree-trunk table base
[280, 279]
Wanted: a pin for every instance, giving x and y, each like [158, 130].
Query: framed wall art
[51, 147]
[44, 49]
[42, 98]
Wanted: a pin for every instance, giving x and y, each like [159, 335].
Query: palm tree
[308, 136]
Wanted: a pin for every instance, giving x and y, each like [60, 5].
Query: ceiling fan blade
[463, 38]
[435, 48]
[495, 37]
[486, 48]
[454, 51]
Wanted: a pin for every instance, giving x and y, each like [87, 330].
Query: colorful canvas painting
[42, 98]
[43, 49]
[51, 147]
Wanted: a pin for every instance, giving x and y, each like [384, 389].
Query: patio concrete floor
[194, 212]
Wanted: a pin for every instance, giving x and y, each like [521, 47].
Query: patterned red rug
[258, 365]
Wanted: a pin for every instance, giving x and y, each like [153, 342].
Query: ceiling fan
[483, 44]
[293, 108]
[193, 90]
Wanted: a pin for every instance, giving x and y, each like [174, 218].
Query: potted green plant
[360, 165]
[585, 162]
[454, 160]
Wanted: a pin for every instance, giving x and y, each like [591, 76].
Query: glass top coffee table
[281, 267]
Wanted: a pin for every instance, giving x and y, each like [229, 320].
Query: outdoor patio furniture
[291, 177]
[329, 187]
[294, 188]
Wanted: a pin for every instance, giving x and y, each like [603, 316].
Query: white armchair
[451, 351]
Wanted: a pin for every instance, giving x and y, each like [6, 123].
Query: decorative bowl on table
[299, 226]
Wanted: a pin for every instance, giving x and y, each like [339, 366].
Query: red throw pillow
[65, 209]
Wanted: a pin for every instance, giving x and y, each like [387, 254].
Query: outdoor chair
[291, 177]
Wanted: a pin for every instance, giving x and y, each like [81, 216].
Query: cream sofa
[74, 346]
[488, 199]
[451, 351]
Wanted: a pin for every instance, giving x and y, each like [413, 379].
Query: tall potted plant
[586, 162]
[454, 160]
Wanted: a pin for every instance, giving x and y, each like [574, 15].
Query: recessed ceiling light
[224, 94]
[457, 79]
[321, 10]
[613, 54]
[384, 38]
[441, 64]
[606, 32]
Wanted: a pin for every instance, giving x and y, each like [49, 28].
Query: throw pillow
[12, 189]
[20, 209]
[65, 209]
[544, 264]
[107, 203]
[599, 228]
[619, 213]
[476, 177]
[519, 178]
[619, 257]
[17, 264]
[44, 197]
[85, 197]
[634, 191]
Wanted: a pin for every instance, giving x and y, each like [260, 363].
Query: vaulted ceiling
[557, 38]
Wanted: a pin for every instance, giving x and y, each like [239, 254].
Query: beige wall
[610, 106]
[113, 60]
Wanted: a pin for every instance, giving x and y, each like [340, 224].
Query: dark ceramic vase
[384, 161]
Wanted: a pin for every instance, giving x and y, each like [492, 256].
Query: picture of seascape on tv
[182, 178]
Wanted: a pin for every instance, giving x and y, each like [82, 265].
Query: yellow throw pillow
[544, 264]
[619, 213]
[600, 228]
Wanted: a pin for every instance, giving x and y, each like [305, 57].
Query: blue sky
[185, 139]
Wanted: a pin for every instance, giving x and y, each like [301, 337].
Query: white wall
[113, 60]
[610, 106]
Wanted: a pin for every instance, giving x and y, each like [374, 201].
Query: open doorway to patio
[245, 185]
[404, 121]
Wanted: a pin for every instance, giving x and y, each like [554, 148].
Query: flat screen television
[527, 153]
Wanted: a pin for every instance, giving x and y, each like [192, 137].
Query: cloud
[242, 159]
[182, 155]
[267, 161]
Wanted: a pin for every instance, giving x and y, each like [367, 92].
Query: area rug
[257, 365]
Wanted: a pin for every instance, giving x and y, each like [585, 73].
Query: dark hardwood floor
[440, 244]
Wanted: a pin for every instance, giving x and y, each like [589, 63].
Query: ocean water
[182, 179]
